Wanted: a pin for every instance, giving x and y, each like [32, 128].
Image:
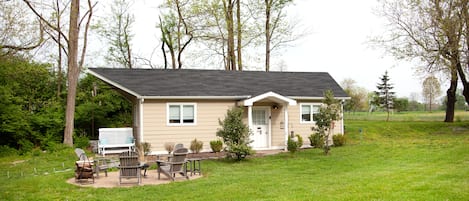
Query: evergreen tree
[384, 93]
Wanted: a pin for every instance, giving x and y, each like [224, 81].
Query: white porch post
[140, 114]
[286, 125]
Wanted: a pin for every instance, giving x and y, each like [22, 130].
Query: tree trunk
[59, 60]
[239, 30]
[465, 84]
[73, 72]
[228, 8]
[268, 4]
[451, 97]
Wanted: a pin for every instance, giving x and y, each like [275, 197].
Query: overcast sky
[337, 44]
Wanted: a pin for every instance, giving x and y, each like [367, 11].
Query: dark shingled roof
[189, 82]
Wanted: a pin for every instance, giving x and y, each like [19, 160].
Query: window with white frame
[181, 113]
[308, 111]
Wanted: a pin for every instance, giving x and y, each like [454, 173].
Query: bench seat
[115, 140]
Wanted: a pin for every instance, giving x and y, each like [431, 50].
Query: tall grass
[385, 161]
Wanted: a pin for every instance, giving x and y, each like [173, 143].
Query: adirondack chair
[129, 166]
[84, 166]
[177, 164]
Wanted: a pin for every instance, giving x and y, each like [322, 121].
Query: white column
[140, 113]
[286, 125]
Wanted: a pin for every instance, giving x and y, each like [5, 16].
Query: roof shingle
[190, 82]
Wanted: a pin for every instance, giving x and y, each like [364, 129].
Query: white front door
[260, 127]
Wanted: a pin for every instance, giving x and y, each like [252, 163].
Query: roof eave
[99, 76]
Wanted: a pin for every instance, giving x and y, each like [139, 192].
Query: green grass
[386, 161]
[406, 116]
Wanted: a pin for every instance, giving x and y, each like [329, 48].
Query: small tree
[431, 90]
[235, 134]
[328, 113]
[386, 96]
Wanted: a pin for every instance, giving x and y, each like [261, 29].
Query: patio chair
[177, 164]
[129, 166]
[84, 166]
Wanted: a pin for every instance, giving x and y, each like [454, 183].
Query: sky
[337, 43]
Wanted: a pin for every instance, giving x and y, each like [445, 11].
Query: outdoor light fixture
[274, 107]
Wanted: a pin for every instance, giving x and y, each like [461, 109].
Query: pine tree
[385, 95]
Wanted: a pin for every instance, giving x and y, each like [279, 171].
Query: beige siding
[278, 132]
[304, 129]
[158, 132]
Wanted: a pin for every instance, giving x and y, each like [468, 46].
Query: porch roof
[269, 96]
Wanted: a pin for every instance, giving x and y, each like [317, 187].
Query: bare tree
[430, 90]
[74, 62]
[177, 34]
[117, 30]
[17, 32]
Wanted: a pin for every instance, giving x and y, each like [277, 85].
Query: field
[407, 116]
[398, 160]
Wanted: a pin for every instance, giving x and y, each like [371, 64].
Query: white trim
[141, 101]
[316, 98]
[197, 97]
[181, 113]
[312, 114]
[270, 94]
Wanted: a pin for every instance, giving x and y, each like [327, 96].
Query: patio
[112, 180]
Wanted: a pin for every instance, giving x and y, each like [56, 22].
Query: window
[181, 113]
[308, 111]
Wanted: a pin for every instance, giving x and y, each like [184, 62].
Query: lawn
[386, 161]
[407, 116]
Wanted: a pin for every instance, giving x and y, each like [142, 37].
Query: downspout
[342, 128]
[286, 125]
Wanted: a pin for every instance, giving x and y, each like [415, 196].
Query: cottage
[180, 105]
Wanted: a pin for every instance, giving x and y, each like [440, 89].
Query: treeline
[32, 110]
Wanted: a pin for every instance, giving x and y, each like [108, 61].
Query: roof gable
[217, 83]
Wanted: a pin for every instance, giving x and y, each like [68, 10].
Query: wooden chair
[129, 166]
[177, 164]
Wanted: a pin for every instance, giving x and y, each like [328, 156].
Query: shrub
[316, 140]
[339, 140]
[294, 145]
[216, 145]
[239, 151]
[169, 146]
[81, 141]
[146, 146]
[235, 134]
[7, 151]
[196, 146]
[300, 141]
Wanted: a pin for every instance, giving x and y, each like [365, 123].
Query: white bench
[115, 140]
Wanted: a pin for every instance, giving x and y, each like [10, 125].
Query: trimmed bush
[216, 145]
[294, 145]
[316, 140]
[339, 140]
[196, 146]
